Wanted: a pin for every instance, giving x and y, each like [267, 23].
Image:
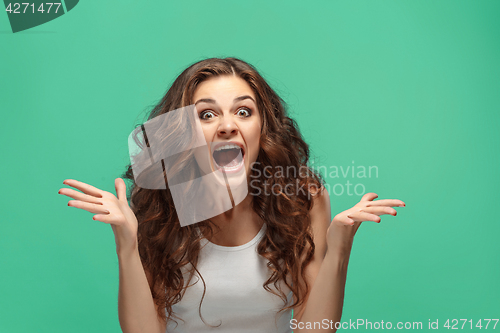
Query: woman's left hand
[344, 225]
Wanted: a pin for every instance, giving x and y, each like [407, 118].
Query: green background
[412, 87]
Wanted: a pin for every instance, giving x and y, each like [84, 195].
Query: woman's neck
[237, 226]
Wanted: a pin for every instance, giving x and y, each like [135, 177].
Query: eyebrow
[212, 101]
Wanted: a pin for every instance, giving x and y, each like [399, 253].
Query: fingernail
[93, 218]
[106, 211]
[403, 205]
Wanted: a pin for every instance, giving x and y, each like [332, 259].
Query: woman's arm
[326, 298]
[328, 270]
[136, 308]
[137, 311]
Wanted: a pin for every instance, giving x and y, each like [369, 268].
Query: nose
[227, 128]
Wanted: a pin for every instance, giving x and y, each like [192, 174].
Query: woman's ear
[314, 191]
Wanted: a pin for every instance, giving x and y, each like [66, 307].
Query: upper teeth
[229, 146]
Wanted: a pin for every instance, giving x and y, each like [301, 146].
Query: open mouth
[229, 157]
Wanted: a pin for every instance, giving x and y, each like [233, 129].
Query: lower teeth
[233, 165]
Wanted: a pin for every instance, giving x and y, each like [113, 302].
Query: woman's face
[227, 109]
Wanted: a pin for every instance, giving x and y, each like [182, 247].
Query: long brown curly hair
[165, 247]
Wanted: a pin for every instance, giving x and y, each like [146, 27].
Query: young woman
[246, 269]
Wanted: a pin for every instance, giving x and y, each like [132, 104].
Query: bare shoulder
[321, 205]
[320, 215]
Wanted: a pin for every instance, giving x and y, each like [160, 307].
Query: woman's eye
[246, 112]
[204, 113]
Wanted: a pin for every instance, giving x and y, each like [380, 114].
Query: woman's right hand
[108, 209]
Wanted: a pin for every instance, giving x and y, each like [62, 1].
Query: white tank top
[234, 296]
